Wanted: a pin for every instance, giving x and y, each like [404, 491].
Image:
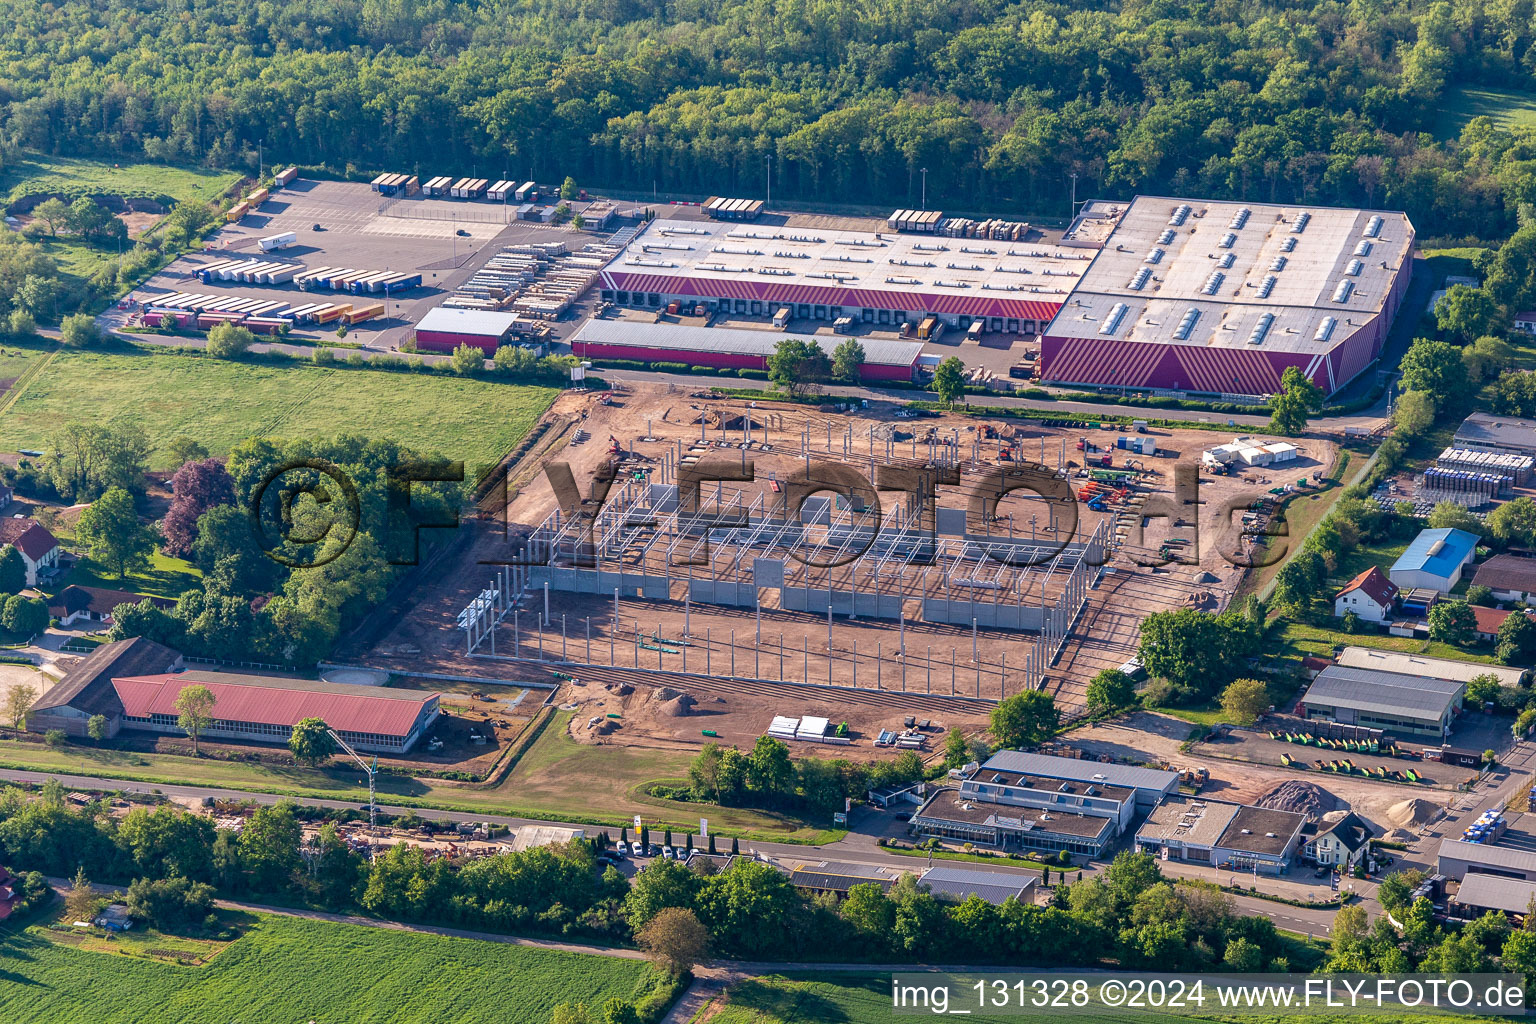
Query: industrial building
[444, 329]
[1460, 860]
[1151, 785]
[1434, 560]
[1224, 297]
[948, 814]
[1483, 431]
[1403, 705]
[1480, 893]
[134, 685]
[726, 348]
[1510, 577]
[957, 884]
[824, 274]
[1223, 835]
[1419, 665]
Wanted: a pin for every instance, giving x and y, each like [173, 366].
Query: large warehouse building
[725, 348]
[1223, 297]
[874, 277]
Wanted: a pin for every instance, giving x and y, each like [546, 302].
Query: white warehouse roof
[735, 341]
[1418, 665]
[467, 321]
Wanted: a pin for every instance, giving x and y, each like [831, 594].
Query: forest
[1001, 103]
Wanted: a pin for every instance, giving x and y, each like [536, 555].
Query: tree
[1514, 522]
[1464, 312]
[196, 487]
[674, 939]
[956, 751]
[183, 449]
[1452, 622]
[79, 330]
[1244, 700]
[23, 617]
[1025, 720]
[568, 189]
[1195, 650]
[1447, 515]
[54, 212]
[1515, 642]
[1349, 924]
[173, 904]
[1435, 367]
[13, 571]
[18, 699]
[1299, 580]
[467, 359]
[269, 847]
[1483, 689]
[1479, 594]
[226, 341]
[1414, 413]
[194, 706]
[949, 380]
[848, 361]
[1298, 399]
[311, 741]
[81, 901]
[21, 324]
[112, 532]
[662, 884]
[769, 769]
[1519, 953]
[798, 366]
[96, 727]
[1110, 690]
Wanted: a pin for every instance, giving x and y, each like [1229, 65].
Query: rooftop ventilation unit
[1166, 237]
[1325, 329]
[1301, 223]
[902, 280]
[1187, 325]
[1267, 286]
[729, 250]
[966, 266]
[1213, 283]
[1373, 226]
[1278, 263]
[937, 283]
[1435, 548]
[1140, 280]
[978, 252]
[1363, 249]
[1239, 219]
[1111, 323]
[1289, 245]
[1180, 215]
[1226, 261]
[1155, 256]
[1227, 240]
[1261, 329]
[776, 271]
[1354, 268]
[1342, 292]
[638, 261]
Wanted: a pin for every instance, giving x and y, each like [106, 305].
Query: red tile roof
[28, 537]
[385, 712]
[1489, 619]
[1374, 585]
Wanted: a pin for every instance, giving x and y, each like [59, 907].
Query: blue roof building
[1434, 560]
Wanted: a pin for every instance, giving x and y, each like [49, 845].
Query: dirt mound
[677, 707]
[663, 693]
[1412, 813]
[605, 727]
[622, 689]
[1299, 798]
[1400, 835]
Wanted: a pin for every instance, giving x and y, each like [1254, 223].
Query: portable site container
[459, 186]
[285, 176]
[365, 312]
[282, 241]
[236, 212]
[331, 313]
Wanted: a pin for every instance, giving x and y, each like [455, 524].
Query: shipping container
[236, 212]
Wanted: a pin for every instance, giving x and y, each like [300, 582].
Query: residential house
[1369, 595]
[1510, 577]
[1526, 321]
[1339, 840]
[39, 549]
[76, 604]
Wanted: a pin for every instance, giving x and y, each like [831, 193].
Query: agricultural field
[1508, 108]
[222, 403]
[352, 973]
[34, 174]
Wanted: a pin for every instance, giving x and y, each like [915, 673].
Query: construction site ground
[1146, 737]
[425, 638]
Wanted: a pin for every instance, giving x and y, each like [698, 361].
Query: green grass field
[165, 577]
[287, 970]
[222, 403]
[867, 999]
[39, 174]
[1508, 108]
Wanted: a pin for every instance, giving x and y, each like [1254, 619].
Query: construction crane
[372, 772]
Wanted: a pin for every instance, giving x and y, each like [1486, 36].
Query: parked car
[668, 853]
[639, 850]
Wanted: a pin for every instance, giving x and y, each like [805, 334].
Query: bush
[701, 369]
[752, 374]
[670, 367]
[171, 904]
[55, 738]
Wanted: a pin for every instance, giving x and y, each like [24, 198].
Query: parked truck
[274, 242]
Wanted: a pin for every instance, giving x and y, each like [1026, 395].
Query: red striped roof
[385, 712]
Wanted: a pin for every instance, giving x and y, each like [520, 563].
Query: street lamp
[372, 772]
[925, 187]
[1073, 212]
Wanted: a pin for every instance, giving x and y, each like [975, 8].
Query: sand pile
[1415, 812]
[1300, 798]
[677, 707]
[663, 693]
